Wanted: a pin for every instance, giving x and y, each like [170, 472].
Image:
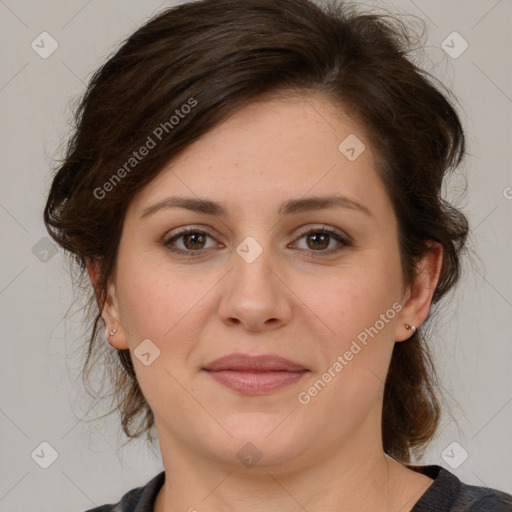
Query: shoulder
[448, 493]
[139, 499]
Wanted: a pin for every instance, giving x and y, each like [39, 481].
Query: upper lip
[262, 363]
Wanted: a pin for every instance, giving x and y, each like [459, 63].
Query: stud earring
[109, 335]
[409, 327]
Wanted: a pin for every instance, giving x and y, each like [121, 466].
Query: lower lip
[256, 383]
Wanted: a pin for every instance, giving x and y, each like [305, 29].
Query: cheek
[357, 313]
[164, 309]
[352, 298]
[154, 299]
[168, 306]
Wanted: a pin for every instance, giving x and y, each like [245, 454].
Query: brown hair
[213, 57]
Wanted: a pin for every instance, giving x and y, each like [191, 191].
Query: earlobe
[417, 306]
[117, 334]
[114, 333]
[116, 337]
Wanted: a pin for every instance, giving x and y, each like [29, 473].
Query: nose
[255, 294]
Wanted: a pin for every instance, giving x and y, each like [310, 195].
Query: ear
[417, 305]
[110, 311]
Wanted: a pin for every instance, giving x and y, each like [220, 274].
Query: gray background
[41, 397]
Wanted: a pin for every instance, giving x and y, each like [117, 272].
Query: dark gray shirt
[446, 494]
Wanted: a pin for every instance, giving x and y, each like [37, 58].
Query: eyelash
[334, 234]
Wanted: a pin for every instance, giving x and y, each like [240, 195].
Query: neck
[359, 477]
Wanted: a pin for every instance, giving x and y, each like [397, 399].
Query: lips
[255, 375]
[259, 363]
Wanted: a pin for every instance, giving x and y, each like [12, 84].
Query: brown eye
[193, 242]
[318, 241]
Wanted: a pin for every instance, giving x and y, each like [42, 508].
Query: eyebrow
[290, 207]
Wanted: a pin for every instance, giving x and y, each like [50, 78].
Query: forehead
[270, 150]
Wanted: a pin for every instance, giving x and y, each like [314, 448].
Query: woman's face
[316, 282]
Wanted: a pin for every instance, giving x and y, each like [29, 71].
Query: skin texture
[298, 299]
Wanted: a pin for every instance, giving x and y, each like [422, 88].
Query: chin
[260, 441]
